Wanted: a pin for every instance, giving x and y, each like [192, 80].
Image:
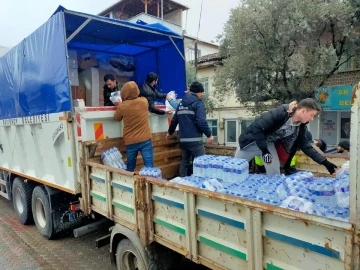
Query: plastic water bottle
[196, 169]
[107, 159]
[323, 193]
[114, 157]
[158, 173]
[226, 171]
[298, 204]
[208, 186]
[216, 183]
[338, 213]
[342, 192]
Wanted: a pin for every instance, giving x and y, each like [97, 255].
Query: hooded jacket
[191, 117]
[134, 112]
[150, 93]
[271, 121]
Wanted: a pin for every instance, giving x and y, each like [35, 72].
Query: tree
[210, 105]
[282, 50]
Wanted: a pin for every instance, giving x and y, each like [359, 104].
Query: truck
[50, 165]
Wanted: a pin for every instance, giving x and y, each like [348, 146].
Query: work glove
[266, 156]
[329, 166]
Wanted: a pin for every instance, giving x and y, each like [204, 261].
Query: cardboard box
[87, 60]
[78, 92]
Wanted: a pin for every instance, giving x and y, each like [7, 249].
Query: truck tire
[42, 212]
[128, 257]
[21, 194]
[161, 258]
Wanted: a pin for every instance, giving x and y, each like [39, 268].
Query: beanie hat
[196, 87]
[345, 145]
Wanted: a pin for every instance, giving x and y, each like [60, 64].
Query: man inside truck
[191, 117]
[278, 134]
[137, 134]
[148, 90]
[110, 86]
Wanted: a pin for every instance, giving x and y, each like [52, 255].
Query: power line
[197, 37]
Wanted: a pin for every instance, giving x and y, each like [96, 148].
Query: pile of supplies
[322, 196]
[113, 158]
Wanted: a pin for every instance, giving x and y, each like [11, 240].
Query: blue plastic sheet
[34, 74]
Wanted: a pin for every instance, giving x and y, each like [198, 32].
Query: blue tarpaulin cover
[34, 74]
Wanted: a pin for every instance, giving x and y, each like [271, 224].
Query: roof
[200, 40]
[129, 6]
[38, 83]
[209, 57]
[116, 36]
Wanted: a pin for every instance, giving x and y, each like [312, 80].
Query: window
[345, 126]
[245, 124]
[191, 54]
[205, 83]
[231, 132]
[214, 129]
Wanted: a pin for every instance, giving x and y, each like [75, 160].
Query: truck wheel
[21, 195]
[42, 212]
[128, 258]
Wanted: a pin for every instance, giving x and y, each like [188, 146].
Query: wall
[152, 19]
[204, 48]
[174, 17]
[341, 78]
[229, 110]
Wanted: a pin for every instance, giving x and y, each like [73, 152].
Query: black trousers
[188, 153]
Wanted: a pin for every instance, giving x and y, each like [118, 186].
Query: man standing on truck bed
[278, 133]
[110, 86]
[149, 91]
[137, 135]
[191, 117]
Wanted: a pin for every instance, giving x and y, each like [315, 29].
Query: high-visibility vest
[259, 162]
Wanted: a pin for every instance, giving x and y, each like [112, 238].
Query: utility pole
[162, 11]
[196, 57]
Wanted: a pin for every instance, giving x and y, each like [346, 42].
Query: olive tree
[282, 50]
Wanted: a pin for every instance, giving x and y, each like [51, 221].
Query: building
[204, 48]
[149, 11]
[331, 124]
[229, 117]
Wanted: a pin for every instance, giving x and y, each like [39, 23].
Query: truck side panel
[219, 231]
[113, 195]
[248, 235]
[40, 148]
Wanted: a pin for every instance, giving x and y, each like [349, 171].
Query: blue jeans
[146, 150]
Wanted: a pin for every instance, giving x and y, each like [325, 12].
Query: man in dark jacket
[149, 91]
[191, 117]
[110, 86]
[281, 131]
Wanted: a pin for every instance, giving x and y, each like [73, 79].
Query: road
[22, 248]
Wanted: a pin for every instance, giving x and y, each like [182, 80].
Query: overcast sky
[19, 18]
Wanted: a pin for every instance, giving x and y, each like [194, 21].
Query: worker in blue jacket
[191, 117]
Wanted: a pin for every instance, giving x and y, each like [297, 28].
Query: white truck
[50, 167]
